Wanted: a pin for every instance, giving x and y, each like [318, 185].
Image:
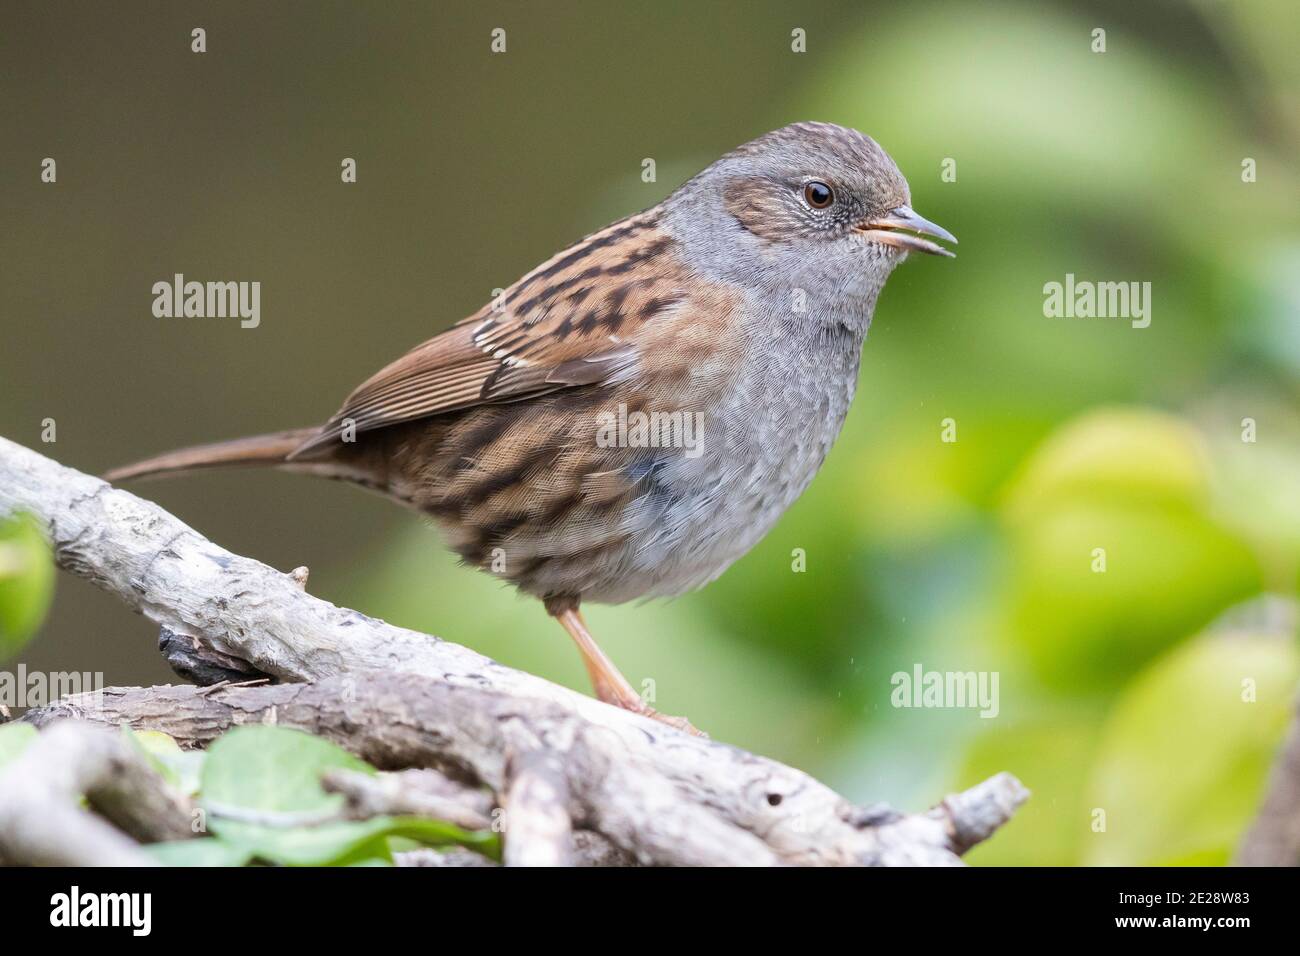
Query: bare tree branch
[421, 793]
[454, 857]
[404, 699]
[428, 793]
[538, 829]
[619, 792]
[1274, 838]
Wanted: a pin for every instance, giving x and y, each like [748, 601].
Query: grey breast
[762, 445]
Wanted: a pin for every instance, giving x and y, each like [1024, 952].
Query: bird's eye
[818, 194]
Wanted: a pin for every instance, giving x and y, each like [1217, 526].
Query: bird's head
[810, 203]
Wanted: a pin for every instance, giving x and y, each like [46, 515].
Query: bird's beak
[889, 230]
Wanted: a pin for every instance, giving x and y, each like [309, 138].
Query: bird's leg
[610, 685]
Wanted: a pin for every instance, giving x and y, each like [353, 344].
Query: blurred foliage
[26, 582]
[14, 739]
[1136, 482]
[1120, 691]
[275, 773]
[1184, 748]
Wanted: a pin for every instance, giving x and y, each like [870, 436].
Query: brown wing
[571, 321]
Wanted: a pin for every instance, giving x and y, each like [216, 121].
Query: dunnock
[634, 414]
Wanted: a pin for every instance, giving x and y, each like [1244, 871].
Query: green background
[1141, 705]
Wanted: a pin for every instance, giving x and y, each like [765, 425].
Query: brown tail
[263, 450]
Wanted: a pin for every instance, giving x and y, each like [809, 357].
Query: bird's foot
[610, 685]
[679, 723]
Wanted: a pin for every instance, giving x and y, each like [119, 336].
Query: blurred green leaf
[274, 768]
[345, 843]
[1125, 456]
[1118, 554]
[1186, 750]
[181, 768]
[326, 844]
[26, 582]
[1258, 486]
[14, 739]
[205, 851]
[440, 833]
[276, 772]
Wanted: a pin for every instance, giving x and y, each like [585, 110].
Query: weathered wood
[403, 699]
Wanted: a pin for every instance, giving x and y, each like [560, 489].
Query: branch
[620, 793]
[538, 828]
[404, 699]
[427, 793]
[420, 793]
[1274, 838]
[42, 822]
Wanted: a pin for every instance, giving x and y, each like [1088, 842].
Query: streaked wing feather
[571, 321]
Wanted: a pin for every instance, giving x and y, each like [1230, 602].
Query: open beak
[896, 228]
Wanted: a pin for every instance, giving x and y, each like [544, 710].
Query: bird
[633, 415]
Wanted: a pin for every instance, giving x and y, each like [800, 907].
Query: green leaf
[14, 739]
[327, 844]
[345, 843]
[1166, 574]
[274, 769]
[180, 768]
[440, 833]
[26, 582]
[276, 772]
[206, 851]
[1185, 754]
[1118, 552]
[1113, 455]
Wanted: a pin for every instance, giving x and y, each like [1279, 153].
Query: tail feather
[263, 450]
